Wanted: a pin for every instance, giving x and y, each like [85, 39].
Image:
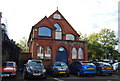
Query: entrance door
[62, 55]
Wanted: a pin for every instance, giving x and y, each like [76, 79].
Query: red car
[8, 69]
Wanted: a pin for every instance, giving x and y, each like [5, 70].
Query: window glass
[44, 31]
[80, 54]
[58, 31]
[7, 64]
[57, 16]
[61, 49]
[58, 28]
[60, 64]
[70, 37]
[58, 35]
[74, 53]
[48, 53]
[40, 52]
[35, 64]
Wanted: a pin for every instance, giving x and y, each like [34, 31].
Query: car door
[50, 68]
[75, 67]
[72, 68]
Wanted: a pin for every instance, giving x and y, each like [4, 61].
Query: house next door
[62, 55]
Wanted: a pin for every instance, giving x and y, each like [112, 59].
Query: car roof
[9, 62]
[83, 61]
[35, 60]
[58, 61]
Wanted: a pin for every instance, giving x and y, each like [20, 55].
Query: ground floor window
[40, 52]
[48, 53]
[74, 53]
[80, 54]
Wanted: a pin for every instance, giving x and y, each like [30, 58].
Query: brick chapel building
[54, 39]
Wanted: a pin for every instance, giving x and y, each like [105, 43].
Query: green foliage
[23, 45]
[101, 45]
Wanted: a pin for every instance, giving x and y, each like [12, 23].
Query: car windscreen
[105, 64]
[38, 64]
[7, 64]
[87, 64]
[60, 64]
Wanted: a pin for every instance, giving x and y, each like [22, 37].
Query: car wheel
[110, 74]
[79, 73]
[44, 76]
[25, 75]
[117, 70]
[67, 75]
[52, 74]
[98, 73]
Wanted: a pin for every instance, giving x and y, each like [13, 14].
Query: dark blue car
[82, 67]
[104, 68]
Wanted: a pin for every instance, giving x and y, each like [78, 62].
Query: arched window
[40, 52]
[57, 16]
[48, 53]
[80, 54]
[44, 31]
[70, 37]
[58, 31]
[74, 53]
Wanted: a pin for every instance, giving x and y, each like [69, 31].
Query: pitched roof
[63, 22]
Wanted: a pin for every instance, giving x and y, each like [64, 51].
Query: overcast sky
[85, 16]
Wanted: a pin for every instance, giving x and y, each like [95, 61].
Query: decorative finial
[57, 8]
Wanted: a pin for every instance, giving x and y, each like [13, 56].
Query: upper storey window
[58, 31]
[44, 31]
[70, 37]
[57, 16]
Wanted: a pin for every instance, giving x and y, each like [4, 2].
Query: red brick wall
[55, 44]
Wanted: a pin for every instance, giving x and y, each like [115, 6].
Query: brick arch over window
[80, 53]
[58, 31]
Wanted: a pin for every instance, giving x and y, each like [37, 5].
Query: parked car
[58, 68]
[82, 67]
[115, 66]
[8, 69]
[103, 68]
[34, 68]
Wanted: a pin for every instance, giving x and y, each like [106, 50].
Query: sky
[85, 16]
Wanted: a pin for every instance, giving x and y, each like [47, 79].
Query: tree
[23, 45]
[94, 47]
[101, 44]
[108, 40]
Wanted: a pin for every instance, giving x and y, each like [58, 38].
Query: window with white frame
[58, 31]
[70, 37]
[48, 53]
[80, 54]
[74, 53]
[40, 54]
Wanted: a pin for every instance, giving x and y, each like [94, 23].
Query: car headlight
[43, 70]
[28, 70]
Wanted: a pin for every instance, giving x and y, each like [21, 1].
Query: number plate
[36, 74]
[90, 68]
[62, 72]
[108, 68]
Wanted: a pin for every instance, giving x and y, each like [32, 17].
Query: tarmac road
[114, 77]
